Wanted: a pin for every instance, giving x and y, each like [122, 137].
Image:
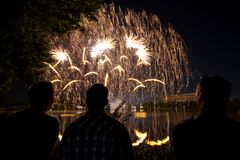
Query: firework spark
[60, 55]
[142, 51]
[101, 46]
[134, 52]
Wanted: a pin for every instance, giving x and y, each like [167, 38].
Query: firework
[132, 53]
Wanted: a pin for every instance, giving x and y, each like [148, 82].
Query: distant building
[184, 97]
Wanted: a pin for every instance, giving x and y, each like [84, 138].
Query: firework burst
[132, 53]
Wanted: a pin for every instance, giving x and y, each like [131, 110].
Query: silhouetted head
[41, 95]
[213, 92]
[97, 97]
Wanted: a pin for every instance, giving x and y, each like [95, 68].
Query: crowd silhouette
[96, 136]
[211, 134]
[32, 134]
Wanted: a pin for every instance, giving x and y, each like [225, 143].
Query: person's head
[97, 97]
[41, 95]
[213, 92]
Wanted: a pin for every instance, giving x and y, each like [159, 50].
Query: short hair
[97, 96]
[215, 89]
[41, 95]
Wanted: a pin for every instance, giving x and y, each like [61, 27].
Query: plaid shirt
[96, 136]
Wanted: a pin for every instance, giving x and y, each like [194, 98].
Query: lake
[148, 127]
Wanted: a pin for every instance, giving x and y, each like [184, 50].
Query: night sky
[210, 29]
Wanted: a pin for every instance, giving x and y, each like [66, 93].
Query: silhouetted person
[211, 134]
[32, 133]
[96, 136]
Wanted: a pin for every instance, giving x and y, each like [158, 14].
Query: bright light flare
[101, 46]
[60, 55]
[142, 51]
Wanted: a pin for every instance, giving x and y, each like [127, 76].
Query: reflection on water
[153, 128]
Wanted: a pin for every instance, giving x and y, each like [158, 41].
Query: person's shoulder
[234, 123]
[19, 114]
[114, 121]
[117, 125]
[74, 125]
[51, 117]
[51, 120]
[185, 124]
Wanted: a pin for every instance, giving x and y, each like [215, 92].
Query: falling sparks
[144, 58]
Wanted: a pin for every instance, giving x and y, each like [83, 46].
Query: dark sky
[210, 29]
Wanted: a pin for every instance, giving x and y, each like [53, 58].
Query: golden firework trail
[141, 85]
[69, 59]
[89, 73]
[50, 66]
[119, 68]
[136, 80]
[75, 68]
[106, 80]
[154, 80]
[144, 63]
[83, 56]
[55, 80]
[102, 62]
[73, 81]
[123, 57]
